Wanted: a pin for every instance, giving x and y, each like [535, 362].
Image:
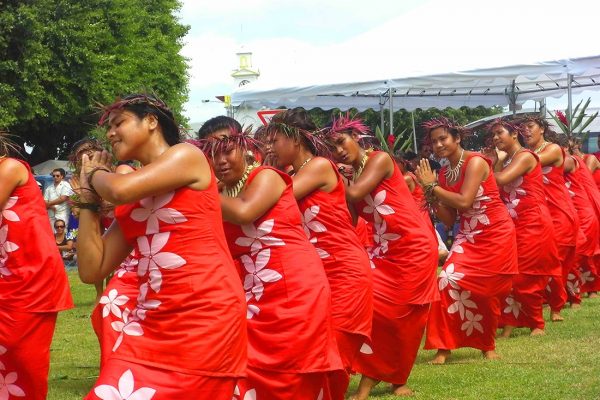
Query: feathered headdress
[212, 146]
[510, 126]
[347, 124]
[135, 99]
[443, 122]
[316, 144]
[7, 146]
[84, 146]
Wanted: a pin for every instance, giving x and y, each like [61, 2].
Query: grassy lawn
[564, 364]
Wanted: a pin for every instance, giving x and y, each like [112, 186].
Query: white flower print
[471, 323]
[5, 248]
[322, 253]
[309, 223]
[376, 207]
[8, 387]
[112, 302]
[2, 351]
[546, 171]
[457, 245]
[381, 237]
[250, 394]
[256, 238]
[151, 258]
[7, 213]
[320, 396]
[366, 349]
[143, 304]
[461, 301]
[128, 265]
[572, 284]
[129, 326]
[251, 311]
[258, 274]
[568, 185]
[511, 205]
[513, 306]
[125, 391]
[514, 188]
[153, 211]
[449, 276]
[373, 252]
[479, 198]
[586, 276]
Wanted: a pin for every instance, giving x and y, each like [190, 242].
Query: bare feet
[440, 357]
[592, 295]
[505, 332]
[556, 317]
[364, 388]
[402, 390]
[537, 332]
[490, 355]
[575, 306]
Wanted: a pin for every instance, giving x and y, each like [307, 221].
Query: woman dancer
[33, 283]
[564, 216]
[186, 336]
[404, 259]
[477, 274]
[519, 177]
[320, 193]
[291, 339]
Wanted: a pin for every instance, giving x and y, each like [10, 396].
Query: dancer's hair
[512, 126]
[457, 131]
[87, 146]
[147, 104]
[217, 124]
[295, 124]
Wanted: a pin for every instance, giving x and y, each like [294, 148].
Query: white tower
[244, 74]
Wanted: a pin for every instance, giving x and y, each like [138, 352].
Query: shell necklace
[451, 174]
[363, 162]
[237, 188]
[541, 148]
[302, 165]
[507, 162]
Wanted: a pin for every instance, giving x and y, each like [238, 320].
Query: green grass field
[563, 364]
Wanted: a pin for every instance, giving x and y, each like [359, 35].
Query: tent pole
[513, 98]
[381, 113]
[569, 101]
[391, 111]
[412, 114]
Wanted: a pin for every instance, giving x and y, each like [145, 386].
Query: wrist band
[94, 207]
[90, 176]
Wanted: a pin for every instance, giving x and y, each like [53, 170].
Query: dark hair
[87, 146]
[59, 220]
[216, 124]
[548, 134]
[148, 104]
[457, 131]
[60, 170]
[296, 123]
[409, 156]
[7, 147]
[510, 126]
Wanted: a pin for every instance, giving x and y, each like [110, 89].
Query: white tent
[447, 54]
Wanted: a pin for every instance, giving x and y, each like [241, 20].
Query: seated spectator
[65, 245]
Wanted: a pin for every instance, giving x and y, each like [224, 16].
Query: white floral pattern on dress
[258, 274]
[5, 248]
[143, 304]
[128, 265]
[366, 349]
[151, 259]
[373, 253]
[256, 238]
[310, 224]
[128, 326]
[152, 210]
[112, 302]
[461, 302]
[125, 391]
[249, 395]
[513, 306]
[381, 237]
[2, 351]
[472, 322]
[7, 213]
[449, 276]
[8, 387]
[376, 207]
[573, 284]
[546, 171]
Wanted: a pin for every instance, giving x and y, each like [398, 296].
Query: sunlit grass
[563, 364]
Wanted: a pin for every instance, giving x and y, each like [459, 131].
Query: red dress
[587, 204]
[291, 340]
[590, 273]
[536, 248]
[186, 336]
[119, 297]
[478, 272]
[33, 288]
[566, 226]
[404, 261]
[328, 226]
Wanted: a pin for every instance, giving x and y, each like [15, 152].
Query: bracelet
[94, 207]
[429, 195]
[90, 176]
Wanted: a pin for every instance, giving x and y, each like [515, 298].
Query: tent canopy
[48, 166]
[445, 54]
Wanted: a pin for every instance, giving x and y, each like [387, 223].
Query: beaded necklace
[237, 188]
[541, 148]
[507, 162]
[363, 162]
[303, 164]
[451, 174]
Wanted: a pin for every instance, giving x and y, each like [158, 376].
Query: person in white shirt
[57, 196]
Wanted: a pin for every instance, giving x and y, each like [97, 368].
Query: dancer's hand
[425, 174]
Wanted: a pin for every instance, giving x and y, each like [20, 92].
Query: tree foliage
[59, 59]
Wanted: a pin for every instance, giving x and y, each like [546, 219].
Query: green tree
[59, 59]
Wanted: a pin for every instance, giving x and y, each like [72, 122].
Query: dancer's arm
[256, 199]
[379, 167]
[521, 164]
[12, 175]
[552, 155]
[318, 174]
